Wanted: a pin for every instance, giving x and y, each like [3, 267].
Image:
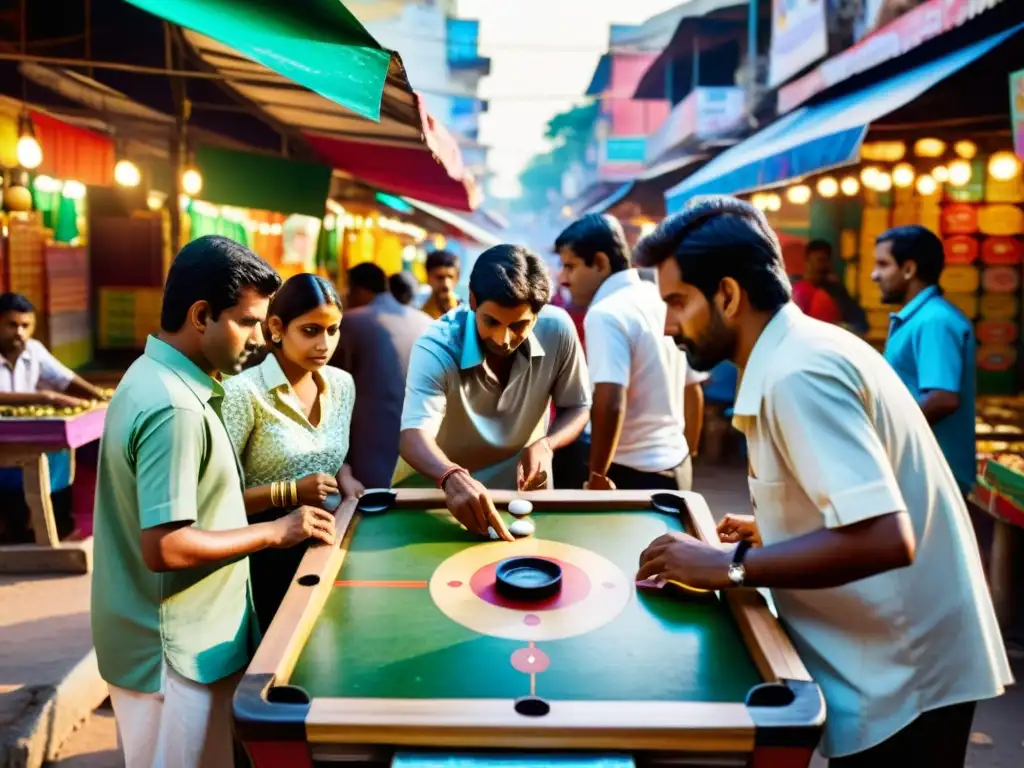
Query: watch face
[736, 574]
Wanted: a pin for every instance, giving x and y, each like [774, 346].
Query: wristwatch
[737, 571]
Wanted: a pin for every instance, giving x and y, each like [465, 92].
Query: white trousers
[185, 725]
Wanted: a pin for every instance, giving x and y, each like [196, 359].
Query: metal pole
[752, 42]
[59, 61]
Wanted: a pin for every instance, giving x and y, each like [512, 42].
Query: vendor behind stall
[31, 376]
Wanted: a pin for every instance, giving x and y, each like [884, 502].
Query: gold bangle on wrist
[273, 494]
[294, 493]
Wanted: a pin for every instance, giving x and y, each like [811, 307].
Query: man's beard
[894, 296]
[716, 345]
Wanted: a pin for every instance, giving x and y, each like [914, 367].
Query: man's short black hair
[369, 276]
[595, 233]
[919, 245]
[14, 302]
[438, 259]
[214, 269]
[717, 237]
[403, 287]
[510, 275]
[819, 245]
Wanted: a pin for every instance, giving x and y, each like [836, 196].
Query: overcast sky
[542, 52]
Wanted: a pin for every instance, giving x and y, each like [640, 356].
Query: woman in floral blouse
[288, 418]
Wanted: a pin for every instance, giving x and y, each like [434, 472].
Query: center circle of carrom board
[598, 591]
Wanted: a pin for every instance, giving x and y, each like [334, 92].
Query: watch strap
[741, 551]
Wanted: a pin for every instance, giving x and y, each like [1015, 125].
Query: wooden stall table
[396, 640]
[1006, 559]
[24, 443]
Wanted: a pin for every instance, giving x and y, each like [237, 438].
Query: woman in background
[288, 418]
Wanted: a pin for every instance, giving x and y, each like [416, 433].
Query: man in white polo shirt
[637, 438]
[859, 527]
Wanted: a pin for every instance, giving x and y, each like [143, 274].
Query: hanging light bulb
[850, 186]
[926, 185]
[799, 194]
[155, 199]
[774, 202]
[828, 186]
[960, 173]
[191, 182]
[966, 149]
[940, 173]
[903, 175]
[28, 150]
[929, 147]
[1003, 166]
[868, 176]
[126, 173]
[882, 182]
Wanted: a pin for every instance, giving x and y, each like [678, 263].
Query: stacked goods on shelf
[67, 307]
[875, 219]
[127, 315]
[25, 263]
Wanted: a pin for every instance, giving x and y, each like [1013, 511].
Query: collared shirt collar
[473, 352]
[614, 283]
[915, 304]
[26, 355]
[274, 378]
[751, 386]
[202, 385]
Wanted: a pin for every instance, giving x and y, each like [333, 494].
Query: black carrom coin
[376, 501]
[528, 578]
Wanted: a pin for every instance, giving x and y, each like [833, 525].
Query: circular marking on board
[578, 609]
[530, 661]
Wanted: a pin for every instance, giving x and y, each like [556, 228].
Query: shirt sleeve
[821, 427]
[169, 449]
[53, 374]
[608, 355]
[238, 414]
[940, 355]
[426, 396]
[572, 382]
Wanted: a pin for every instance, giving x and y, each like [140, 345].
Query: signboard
[1017, 111]
[799, 37]
[892, 28]
[709, 112]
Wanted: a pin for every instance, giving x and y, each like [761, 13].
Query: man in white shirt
[29, 374]
[859, 527]
[641, 380]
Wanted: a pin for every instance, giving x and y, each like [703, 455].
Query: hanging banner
[799, 37]
[1017, 111]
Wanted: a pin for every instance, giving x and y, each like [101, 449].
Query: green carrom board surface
[384, 634]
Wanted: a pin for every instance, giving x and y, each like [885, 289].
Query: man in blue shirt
[931, 343]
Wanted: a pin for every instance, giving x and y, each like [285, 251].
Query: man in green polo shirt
[171, 613]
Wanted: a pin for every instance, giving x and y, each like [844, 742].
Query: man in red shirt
[820, 293]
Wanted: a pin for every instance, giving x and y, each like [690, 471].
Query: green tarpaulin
[318, 44]
[247, 180]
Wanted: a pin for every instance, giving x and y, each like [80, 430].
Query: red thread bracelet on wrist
[448, 473]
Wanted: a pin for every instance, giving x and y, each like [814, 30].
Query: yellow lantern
[868, 176]
[828, 186]
[929, 147]
[966, 149]
[17, 198]
[850, 186]
[1003, 166]
[903, 175]
[940, 173]
[798, 195]
[960, 173]
[883, 182]
[926, 185]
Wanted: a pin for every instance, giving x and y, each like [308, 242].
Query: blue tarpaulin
[822, 136]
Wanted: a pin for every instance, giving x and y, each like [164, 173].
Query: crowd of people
[260, 406]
